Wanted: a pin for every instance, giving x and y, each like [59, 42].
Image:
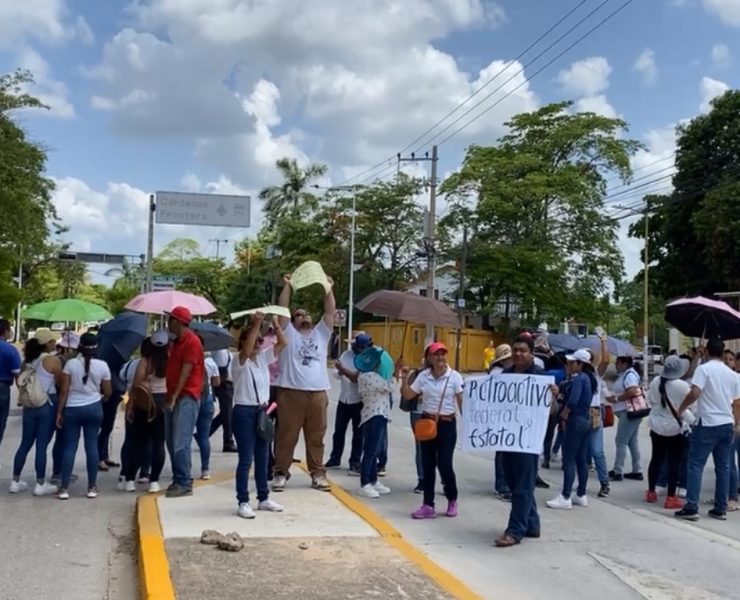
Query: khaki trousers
[298, 409]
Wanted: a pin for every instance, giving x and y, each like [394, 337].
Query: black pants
[670, 449]
[110, 408]
[225, 395]
[145, 434]
[552, 425]
[347, 413]
[438, 454]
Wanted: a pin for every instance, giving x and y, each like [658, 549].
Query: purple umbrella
[701, 317]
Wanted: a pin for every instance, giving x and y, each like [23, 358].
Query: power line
[550, 62]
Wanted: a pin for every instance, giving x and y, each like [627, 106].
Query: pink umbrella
[157, 303]
[701, 317]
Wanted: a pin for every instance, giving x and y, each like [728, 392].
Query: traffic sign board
[179, 208]
[163, 279]
[340, 318]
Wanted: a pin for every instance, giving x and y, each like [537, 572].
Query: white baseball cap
[581, 355]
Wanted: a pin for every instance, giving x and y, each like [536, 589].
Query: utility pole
[461, 296]
[218, 246]
[150, 245]
[20, 300]
[646, 298]
[430, 241]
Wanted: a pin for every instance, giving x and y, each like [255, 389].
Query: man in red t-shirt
[184, 383]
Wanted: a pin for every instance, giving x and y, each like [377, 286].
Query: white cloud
[40, 19]
[48, 90]
[727, 10]
[710, 89]
[84, 32]
[596, 104]
[587, 77]
[721, 56]
[646, 67]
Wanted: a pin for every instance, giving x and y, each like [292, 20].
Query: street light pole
[461, 296]
[646, 297]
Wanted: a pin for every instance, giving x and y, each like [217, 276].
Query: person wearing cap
[576, 419]
[144, 411]
[185, 369]
[303, 383]
[501, 361]
[66, 349]
[349, 406]
[67, 346]
[85, 383]
[10, 368]
[38, 422]
[441, 389]
[375, 392]
[714, 390]
[520, 468]
[665, 395]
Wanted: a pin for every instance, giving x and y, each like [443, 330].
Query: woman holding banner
[441, 390]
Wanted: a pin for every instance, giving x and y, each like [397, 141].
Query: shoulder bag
[265, 425]
[637, 407]
[425, 429]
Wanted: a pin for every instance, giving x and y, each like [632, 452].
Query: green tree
[291, 196]
[538, 231]
[694, 230]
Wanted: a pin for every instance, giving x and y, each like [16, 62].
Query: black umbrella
[120, 337]
[701, 317]
[214, 336]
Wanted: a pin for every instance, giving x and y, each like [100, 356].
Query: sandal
[506, 541]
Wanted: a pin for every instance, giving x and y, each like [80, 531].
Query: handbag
[637, 407]
[265, 424]
[608, 415]
[425, 429]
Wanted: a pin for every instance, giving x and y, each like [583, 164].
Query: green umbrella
[68, 309]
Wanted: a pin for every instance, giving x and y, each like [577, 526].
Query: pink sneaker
[452, 508]
[424, 512]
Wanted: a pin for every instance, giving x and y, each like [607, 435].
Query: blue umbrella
[614, 346]
[120, 337]
[214, 336]
[564, 342]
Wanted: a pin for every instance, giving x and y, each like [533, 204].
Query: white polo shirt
[719, 386]
[431, 390]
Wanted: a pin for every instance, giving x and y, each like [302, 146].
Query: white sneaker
[278, 483]
[93, 493]
[205, 475]
[245, 511]
[381, 489]
[368, 491]
[560, 502]
[681, 492]
[18, 486]
[580, 500]
[154, 487]
[130, 486]
[63, 495]
[270, 505]
[121, 484]
[44, 489]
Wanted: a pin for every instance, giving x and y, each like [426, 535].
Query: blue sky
[204, 95]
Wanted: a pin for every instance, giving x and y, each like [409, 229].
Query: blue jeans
[179, 423]
[413, 418]
[251, 448]
[499, 478]
[383, 456]
[86, 419]
[373, 432]
[596, 451]
[521, 475]
[203, 432]
[346, 414]
[704, 441]
[627, 437]
[734, 468]
[4, 407]
[38, 427]
[576, 442]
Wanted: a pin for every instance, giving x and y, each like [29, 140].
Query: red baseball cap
[182, 314]
[435, 347]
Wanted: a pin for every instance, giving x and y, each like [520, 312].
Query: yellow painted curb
[390, 534]
[154, 568]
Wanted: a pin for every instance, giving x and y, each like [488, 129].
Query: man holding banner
[508, 413]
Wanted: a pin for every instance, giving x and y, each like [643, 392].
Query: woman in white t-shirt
[441, 390]
[85, 384]
[250, 371]
[38, 422]
[667, 392]
[626, 387]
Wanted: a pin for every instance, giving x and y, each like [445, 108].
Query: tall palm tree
[291, 195]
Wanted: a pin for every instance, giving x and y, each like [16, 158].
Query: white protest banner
[309, 273]
[506, 413]
[280, 311]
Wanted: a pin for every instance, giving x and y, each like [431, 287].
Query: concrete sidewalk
[322, 545]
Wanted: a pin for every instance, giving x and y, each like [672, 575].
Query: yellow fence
[407, 340]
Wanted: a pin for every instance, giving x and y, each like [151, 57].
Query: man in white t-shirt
[303, 384]
[714, 388]
[349, 406]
